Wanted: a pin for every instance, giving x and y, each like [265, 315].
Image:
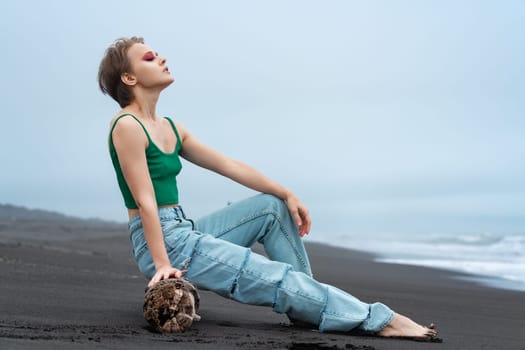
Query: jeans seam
[298, 292]
[141, 253]
[345, 315]
[259, 276]
[211, 257]
[281, 227]
[187, 264]
[325, 305]
[243, 221]
[241, 270]
[278, 287]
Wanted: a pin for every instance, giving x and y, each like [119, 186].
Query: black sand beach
[73, 285]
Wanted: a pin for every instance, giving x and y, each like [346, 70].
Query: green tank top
[163, 169]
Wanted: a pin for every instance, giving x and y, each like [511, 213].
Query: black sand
[73, 286]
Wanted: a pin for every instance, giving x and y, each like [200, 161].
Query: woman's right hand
[165, 272]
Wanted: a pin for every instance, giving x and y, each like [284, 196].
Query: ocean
[496, 260]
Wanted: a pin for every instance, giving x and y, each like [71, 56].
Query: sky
[382, 116]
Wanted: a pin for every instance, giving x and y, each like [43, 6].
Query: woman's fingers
[298, 220]
[307, 222]
[164, 273]
[301, 216]
[153, 281]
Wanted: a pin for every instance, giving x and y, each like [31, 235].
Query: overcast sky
[380, 115]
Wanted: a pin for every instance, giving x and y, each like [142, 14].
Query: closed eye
[149, 56]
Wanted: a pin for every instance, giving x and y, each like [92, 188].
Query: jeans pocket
[140, 249]
[138, 243]
[145, 263]
[175, 240]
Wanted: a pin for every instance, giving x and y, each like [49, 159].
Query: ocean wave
[469, 239]
[497, 256]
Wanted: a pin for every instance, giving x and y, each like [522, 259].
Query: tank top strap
[179, 141]
[131, 115]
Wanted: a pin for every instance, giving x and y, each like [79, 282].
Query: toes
[431, 329]
[431, 333]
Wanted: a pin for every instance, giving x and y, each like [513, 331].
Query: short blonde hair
[115, 63]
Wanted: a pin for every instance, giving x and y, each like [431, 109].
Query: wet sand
[68, 286]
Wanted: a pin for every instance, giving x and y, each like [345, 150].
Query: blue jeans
[215, 250]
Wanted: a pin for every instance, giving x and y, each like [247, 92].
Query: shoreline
[490, 280]
[84, 292]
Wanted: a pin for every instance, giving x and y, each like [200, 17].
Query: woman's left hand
[299, 214]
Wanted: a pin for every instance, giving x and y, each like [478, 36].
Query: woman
[213, 252]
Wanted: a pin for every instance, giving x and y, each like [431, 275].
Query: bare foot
[403, 327]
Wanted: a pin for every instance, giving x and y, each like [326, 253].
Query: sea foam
[496, 259]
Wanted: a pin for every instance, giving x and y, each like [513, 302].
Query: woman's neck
[145, 105]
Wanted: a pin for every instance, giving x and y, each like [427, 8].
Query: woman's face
[148, 68]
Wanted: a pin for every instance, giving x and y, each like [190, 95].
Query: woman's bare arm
[130, 142]
[198, 153]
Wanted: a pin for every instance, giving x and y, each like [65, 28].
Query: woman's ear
[128, 79]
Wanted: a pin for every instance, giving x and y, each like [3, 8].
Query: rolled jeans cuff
[380, 316]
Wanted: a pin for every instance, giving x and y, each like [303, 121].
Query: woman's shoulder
[124, 120]
[125, 126]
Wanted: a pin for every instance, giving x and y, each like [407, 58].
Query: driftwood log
[171, 305]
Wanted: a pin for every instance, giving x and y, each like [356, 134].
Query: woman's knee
[272, 202]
